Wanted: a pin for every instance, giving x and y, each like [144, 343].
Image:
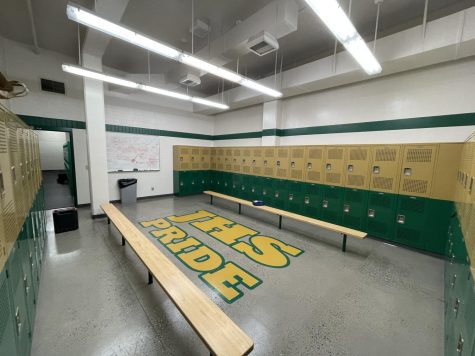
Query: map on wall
[130, 152]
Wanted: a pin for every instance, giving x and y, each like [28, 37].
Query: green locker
[236, 185]
[355, 204]
[182, 184]
[312, 201]
[381, 214]
[255, 190]
[267, 192]
[280, 193]
[332, 203]
[194, 180]
[218, 184]
[246, 187]
[17, 287]
[8, 345]
[227, 183]
[296, 197]
[27, 277]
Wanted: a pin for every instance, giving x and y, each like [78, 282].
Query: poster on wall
[132, 153]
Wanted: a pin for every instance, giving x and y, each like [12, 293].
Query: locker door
[357, 167]
[213, 159]
[246, 160]
[314, 164]
[411, 219]
[257, 161]
[417, 170]
[269, 162]
[312, 204]
[237, 160]
[334, 166]
[195, 158]
[298, 155]
[280, 193]
[237, 185]
[267, 192]
[385, 165]
[8, 345]
[27, 278]
[355, 204]
[282, 163]
[296, 197]
[228, 159]
[381, 214]
[255, 188]
[3, 241]
[332, 202]
[205, 157]
[220, 159]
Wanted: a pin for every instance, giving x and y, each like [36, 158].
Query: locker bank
[272, 177]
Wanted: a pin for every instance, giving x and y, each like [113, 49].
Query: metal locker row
[187, 158]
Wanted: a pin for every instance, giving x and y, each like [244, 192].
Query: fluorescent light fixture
[126, 83]
[78, 14]
[333, 16]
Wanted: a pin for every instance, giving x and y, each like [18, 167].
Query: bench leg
[239, 208]
[343, 246]
[211, 199]
[150, 278]
[108, 221]
[280, 221]
[123, 241]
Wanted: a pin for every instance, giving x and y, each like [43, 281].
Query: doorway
[57, 166]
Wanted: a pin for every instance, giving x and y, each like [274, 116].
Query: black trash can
[65, 219]
[128, 190]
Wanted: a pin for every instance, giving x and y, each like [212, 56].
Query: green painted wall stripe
[466, 119]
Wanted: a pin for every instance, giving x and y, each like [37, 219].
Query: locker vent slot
[205, 152]
[247, 153]
[4, 309]
[195, 151]
[257, 153]
[15, 271]
[3, 138]
[380, 200]
[333, 178]
[313, 176]
[228, 167]
[9, 222]
[386, 155]
[237, 168]
[409, 235]
[269, 152]
[356, 180]
[185, 166]
[335, 153]
[237, 153]
[414, 205]
[414, 186]
[268, 171]
[220, 166]
[205, 165]
[229, 152]
[195, 165]
[12, 140]
[315, 153]
[383, 183]
[184, 151]
[298, 153]
[256, 170]
[282, 153]
[246, 169]
[421, 155]
[358, 154]
[281, 172]
[296, 174]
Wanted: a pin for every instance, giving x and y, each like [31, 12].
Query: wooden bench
[220, 334]
[282, 213]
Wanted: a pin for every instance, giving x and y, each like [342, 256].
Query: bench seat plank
[221, 335]
[293, 216]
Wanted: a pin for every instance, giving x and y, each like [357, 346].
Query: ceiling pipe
[33, 26]
[424, 19]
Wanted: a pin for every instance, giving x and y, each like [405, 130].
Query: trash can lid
[126, 182]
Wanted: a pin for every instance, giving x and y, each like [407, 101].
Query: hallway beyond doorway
[56, 195]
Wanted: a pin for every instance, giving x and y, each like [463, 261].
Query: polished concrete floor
[375, 299]
[56, 195]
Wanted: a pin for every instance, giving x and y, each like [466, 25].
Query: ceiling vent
[262, 43]
[52, 86]
[200, 29]
[190, 80]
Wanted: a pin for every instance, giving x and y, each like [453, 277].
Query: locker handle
[307, 199]
[456, 306]
[454, 279]
[2, 185]
[14, 174]
[407, 172]
[350, 168]
[471, 185]
[401, 219]
[371, 213]
[292, 164]
[25, 282]
[376, 169]
[346, 208]
[460, 344]
[291, 197]
[18, 320]
[328, 167]
[325, 204]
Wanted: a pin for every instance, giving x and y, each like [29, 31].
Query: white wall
[51, 149]
[243, 120]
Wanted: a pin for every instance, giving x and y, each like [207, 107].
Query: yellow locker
[246, 160]
[445, 174]
[268, 163]
[314, 164]
[357, 166]
[228, 159]
[220, 159]
[385, 166]
[257, 161]
[282, 162]
[334, 165]
[213, 159]
[181, 158]
[3, 242]
[195, 158]
[417, 170]
[237, 158]
[205, 158]
[298, 155]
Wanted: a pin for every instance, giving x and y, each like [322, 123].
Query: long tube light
[129, 84]
[333, 16]
[79, 14]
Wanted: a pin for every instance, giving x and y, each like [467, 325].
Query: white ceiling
[170, 20]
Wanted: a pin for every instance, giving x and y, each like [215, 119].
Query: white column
[271, 118]
[96, 136]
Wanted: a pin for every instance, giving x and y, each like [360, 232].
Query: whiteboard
[131, 152]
